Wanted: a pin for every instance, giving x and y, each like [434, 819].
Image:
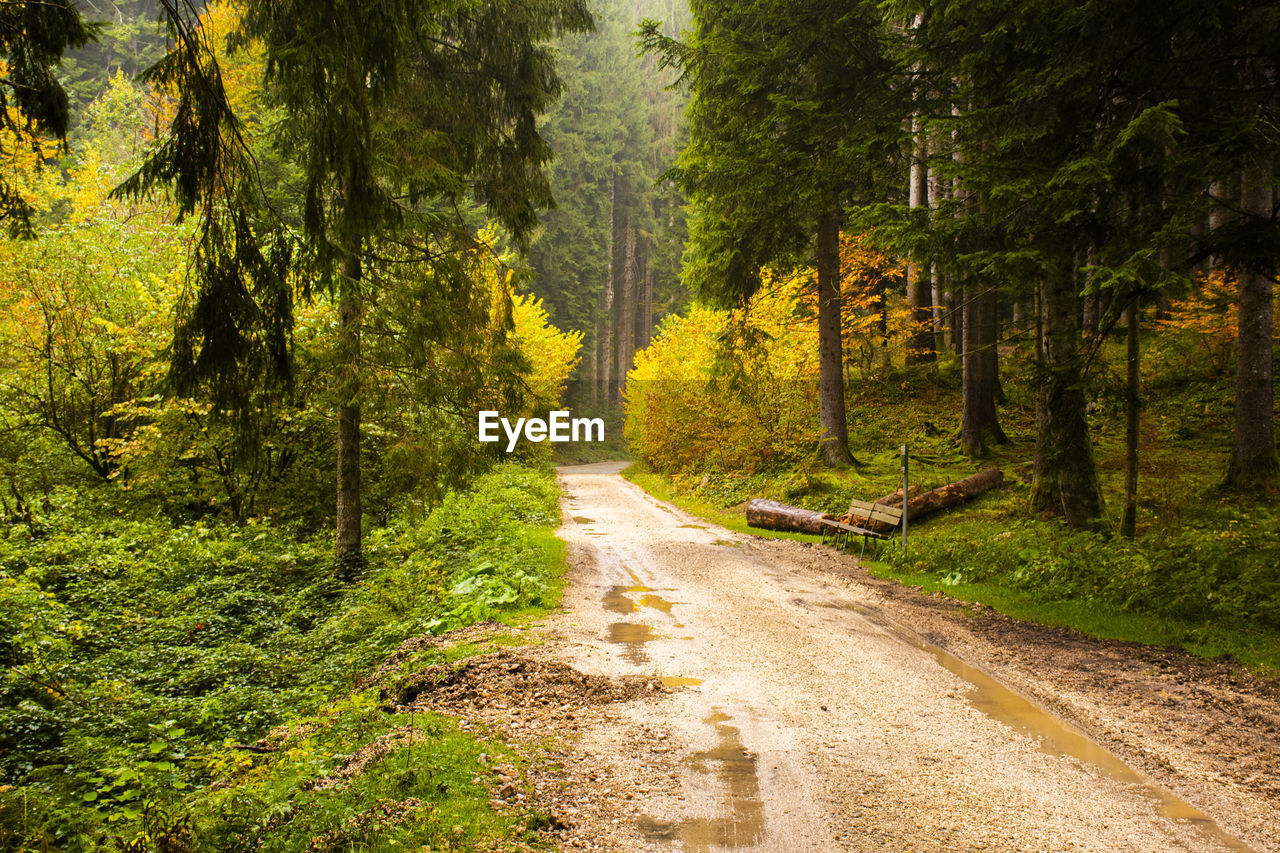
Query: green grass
[166, 645]
[1258, 650]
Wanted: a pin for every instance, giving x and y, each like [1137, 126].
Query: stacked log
[771, 515]
[955, 493]
[943, 497]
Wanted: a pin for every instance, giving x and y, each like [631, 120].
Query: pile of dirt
[508, 680]
[479, 633]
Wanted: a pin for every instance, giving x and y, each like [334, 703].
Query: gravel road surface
[804, 715]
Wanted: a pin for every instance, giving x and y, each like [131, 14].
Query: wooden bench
[863, 519]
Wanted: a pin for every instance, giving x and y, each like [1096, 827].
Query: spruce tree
[793, 119]
[401, 116]
[34, 35]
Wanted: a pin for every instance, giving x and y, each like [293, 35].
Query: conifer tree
[34, 34]
[400, 115]
[793, 119]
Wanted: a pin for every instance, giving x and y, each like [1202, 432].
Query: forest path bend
[804, 720]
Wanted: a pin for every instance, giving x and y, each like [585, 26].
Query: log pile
[771, 515]
[943, 497]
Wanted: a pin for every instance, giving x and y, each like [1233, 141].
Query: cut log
[955, 493]
[771, 515]
[895, 498]
[946, 496]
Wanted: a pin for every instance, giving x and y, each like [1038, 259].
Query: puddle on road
[618, 600]
[694, 526]
[615, 601]
[655, 602]
[582, 519]
[735, 768]
[678, 681]
[632, 635]
[1054, 736]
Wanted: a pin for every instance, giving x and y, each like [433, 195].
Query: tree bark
[626, 310]
[646, 314]
[937, 189]
[1223, 198]
[1254, 464]
[920, 344]
[606, 313]
[1066, 478]
[595, 353]
[955, 311]
[348, 547]
[771, 515]
[980, 372]
[1129, 522]
[943, 497]
[831, 409]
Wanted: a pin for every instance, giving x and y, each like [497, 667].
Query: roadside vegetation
[1200, 573]
[186, 659]
[1026, 235]
[146, 662]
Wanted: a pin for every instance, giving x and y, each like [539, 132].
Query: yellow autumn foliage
[737, 391]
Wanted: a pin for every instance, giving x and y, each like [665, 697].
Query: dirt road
[806, 715]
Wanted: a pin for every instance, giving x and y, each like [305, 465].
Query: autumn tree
[34, 34]
[400, 116]
[792, 120]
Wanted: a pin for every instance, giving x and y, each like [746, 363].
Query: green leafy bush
[134, 651]
[1200, 573]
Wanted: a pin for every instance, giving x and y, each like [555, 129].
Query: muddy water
[1056, 737]
[734, 767]
[618, 600]
[615, 600]
[632, 636]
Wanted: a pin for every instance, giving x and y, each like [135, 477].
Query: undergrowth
[141, 659]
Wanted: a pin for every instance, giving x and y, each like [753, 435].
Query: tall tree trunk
[955, 310]
[1132, 402]
[348, 549]
[595, 353]
[606, 314]
[1066, 478]
[1224, 197]
[626, 309]
[831, 410]
[1253, 451]
[980, 371]
[646, 311]
[920, 343]
[606, 344]
[937, 189]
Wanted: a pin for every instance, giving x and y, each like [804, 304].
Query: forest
[264, 263]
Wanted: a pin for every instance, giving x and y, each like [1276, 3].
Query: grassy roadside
[1258, 649]
[244, 706]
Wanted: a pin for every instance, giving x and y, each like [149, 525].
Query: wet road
[803, 719]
